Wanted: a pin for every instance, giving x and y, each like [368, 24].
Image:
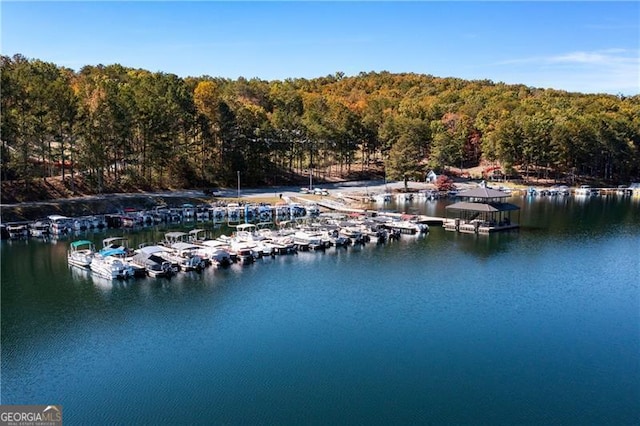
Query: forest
[117, 127]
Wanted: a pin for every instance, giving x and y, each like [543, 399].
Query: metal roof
[483, 207]
[482, 192]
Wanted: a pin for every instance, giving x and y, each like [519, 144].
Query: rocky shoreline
[113, 203]
[84, 206]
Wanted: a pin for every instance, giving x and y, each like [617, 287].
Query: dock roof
[482, 192]
[483, 207]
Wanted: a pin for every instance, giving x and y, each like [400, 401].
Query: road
[360, 187]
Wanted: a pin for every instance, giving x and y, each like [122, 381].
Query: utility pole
[238, 184]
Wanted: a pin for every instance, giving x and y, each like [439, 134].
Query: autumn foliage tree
[444, 183]
[116, 124]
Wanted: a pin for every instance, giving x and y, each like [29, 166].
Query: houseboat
[40, 229]
[585, 191]
[17, 231]
[60, 224]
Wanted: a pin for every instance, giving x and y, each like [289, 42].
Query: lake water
[538, 326]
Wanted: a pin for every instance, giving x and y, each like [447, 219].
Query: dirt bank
[93, 205]
[113, 203]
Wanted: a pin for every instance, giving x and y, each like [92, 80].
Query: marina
[467, 218]
[438, 324]
[223, 234]
[349, 213]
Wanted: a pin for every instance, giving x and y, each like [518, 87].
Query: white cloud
[612, 70]
[603, 57]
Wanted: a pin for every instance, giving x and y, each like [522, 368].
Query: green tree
[404, 160]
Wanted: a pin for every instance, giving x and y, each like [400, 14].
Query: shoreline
[114, 202]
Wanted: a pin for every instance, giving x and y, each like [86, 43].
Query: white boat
[171, 238]
[283, 244]
[17, 231]
[160, 251]
[408, 227]
[182, 252]
[117, 243]
[188, 211]
[313, 209]
[60, 224]
[308, 241]
[96, 222]
[335, 239]
[81, 253]
[248, 237]
[247, 232]
[265, 212]
[81, 224]
[634, 189]
[110, 264]
[188, 257]
[233, 212]
[561, 190]
[218, 213]
[40, 229]
[353, 232]
[202, 214]
[219, 253]
[154, 265]
[130, 220]
[245, 251]
[198, 235]
[585, 191]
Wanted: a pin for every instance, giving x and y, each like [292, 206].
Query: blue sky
[589, 47]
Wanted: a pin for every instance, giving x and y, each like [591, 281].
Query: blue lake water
[538, 326]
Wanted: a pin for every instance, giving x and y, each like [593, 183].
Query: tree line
[116, 126]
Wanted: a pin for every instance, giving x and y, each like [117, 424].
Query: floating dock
[427, 220]
[475, 227]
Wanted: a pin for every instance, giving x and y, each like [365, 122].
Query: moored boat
[153, 264]
[188, 257]
[17, 231]
[81, 253]
[40, 229]
[117, 243]
[217, 252]
[60, 224]
[110, 264]
[585, 191]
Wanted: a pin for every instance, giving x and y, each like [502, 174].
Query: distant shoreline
[112, 203]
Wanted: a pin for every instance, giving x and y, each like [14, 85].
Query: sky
[587, 47]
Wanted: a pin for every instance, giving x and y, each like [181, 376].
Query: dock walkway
[339, 207]
[474, 227]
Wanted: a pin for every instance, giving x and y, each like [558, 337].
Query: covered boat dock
[482, 211]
